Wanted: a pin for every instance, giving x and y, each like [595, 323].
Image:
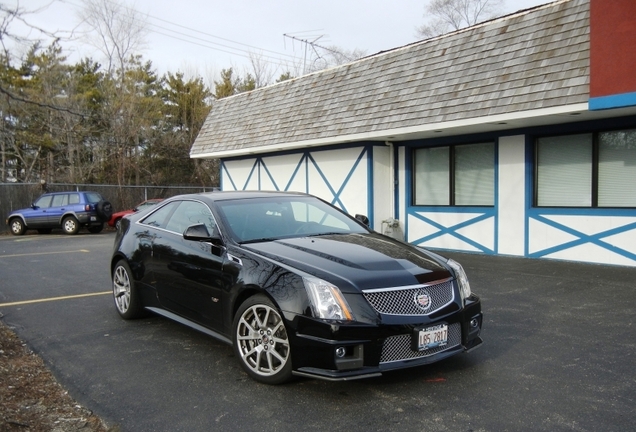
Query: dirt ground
[30, 397]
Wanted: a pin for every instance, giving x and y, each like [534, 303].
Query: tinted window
[159, 218]
[190, 213]
[284, 217]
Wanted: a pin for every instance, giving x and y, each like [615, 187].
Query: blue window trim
[540, 214]
[483, 212]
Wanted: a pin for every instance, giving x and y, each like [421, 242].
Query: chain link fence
[14, 196]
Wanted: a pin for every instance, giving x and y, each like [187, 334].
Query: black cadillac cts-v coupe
[294, 284]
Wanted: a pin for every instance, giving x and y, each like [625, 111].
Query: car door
[57, 209]
[37, 216]
[189, 274]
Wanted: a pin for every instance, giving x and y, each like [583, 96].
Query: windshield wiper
[259, 240]
[327, 233]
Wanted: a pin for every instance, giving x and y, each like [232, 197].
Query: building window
[586, 170]
[462, 175]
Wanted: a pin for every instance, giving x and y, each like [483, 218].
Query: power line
[242, 52]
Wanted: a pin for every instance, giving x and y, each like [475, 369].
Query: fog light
[341, 352]
[474, 323]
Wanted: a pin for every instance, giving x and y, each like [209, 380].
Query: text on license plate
[433, 337]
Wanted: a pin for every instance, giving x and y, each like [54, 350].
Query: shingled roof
[530, 60]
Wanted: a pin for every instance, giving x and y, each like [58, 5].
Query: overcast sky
[204, 36]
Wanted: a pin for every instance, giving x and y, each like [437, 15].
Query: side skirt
[190, 324]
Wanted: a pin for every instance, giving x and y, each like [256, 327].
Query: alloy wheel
[262, 340]
[121, 289]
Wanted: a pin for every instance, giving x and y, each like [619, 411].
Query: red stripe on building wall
[612, 47]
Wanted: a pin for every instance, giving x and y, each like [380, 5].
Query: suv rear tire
[96, 229]
[70, 225]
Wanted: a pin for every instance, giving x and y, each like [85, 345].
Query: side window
[43, 201]
[191, 213]
[592, 170]
[60, 200]
[73, 198]
[93, 197]
[159, 218]
[459, 175]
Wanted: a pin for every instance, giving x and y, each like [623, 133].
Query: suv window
[43, 202]
[73, 198]
[59, 200]
[93, 197]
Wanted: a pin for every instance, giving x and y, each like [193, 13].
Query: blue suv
[67, 210]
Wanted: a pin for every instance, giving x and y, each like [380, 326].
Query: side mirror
[363, 219]
[199, 232]
[34, 207]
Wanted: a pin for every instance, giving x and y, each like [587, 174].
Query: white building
[513, 137]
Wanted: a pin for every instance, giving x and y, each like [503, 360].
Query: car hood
[355, 261]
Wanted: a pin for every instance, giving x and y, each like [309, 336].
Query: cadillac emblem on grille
[423, 300]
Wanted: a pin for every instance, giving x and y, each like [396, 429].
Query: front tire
[70, 225]
[17, 226]
[260, 341]
[125, 292]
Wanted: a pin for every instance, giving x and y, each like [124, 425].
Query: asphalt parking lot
[559, 354]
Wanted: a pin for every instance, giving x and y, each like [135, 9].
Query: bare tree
[448, 15]
[262, 70]
[119, 31]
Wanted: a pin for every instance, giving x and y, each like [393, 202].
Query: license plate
[432, 337]
[93, 218]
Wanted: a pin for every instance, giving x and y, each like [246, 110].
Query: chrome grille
[398, 348]
[403, 300]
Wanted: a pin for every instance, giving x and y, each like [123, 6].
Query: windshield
[262, 219]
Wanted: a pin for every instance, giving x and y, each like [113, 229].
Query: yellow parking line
[54, 299]
[45, 253]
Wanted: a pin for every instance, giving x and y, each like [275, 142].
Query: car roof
[66, 192]
[232, 195]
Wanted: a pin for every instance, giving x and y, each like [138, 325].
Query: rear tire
[70, 225]
[17, 226]
[96, 229]
[125, 292]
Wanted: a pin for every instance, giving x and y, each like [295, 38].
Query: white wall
[382, 186]
[511, 195]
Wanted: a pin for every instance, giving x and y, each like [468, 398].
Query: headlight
[327, 300]
[462, 279]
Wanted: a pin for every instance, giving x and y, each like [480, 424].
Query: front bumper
[348, 352]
